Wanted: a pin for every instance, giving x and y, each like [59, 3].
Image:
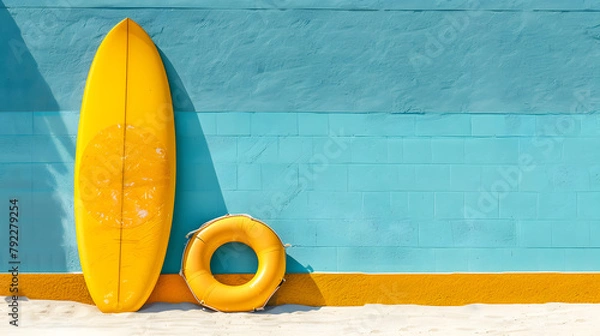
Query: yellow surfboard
[124, 170]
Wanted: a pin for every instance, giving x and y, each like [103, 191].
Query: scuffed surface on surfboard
[125, 170]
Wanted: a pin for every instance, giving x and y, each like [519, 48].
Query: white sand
[40, 317]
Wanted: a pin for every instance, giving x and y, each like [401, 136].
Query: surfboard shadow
[24, 89]
[37, 148]
[198, 196]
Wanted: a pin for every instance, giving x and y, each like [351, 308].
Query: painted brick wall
[350, 192]
[423, 193]
[483, 157]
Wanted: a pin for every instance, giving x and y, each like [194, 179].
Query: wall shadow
[37, 149]
[23, 89]
[299, 292]
[294, 266]
[199, 199]
[198, 196]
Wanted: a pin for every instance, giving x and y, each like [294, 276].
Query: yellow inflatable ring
[250, 296]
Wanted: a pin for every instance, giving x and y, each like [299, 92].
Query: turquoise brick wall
[489, 198]
[318, 119]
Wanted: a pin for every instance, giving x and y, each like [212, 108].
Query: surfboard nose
[123, 23]
[128, 22]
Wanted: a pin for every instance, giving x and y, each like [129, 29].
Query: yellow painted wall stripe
[340, 289]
